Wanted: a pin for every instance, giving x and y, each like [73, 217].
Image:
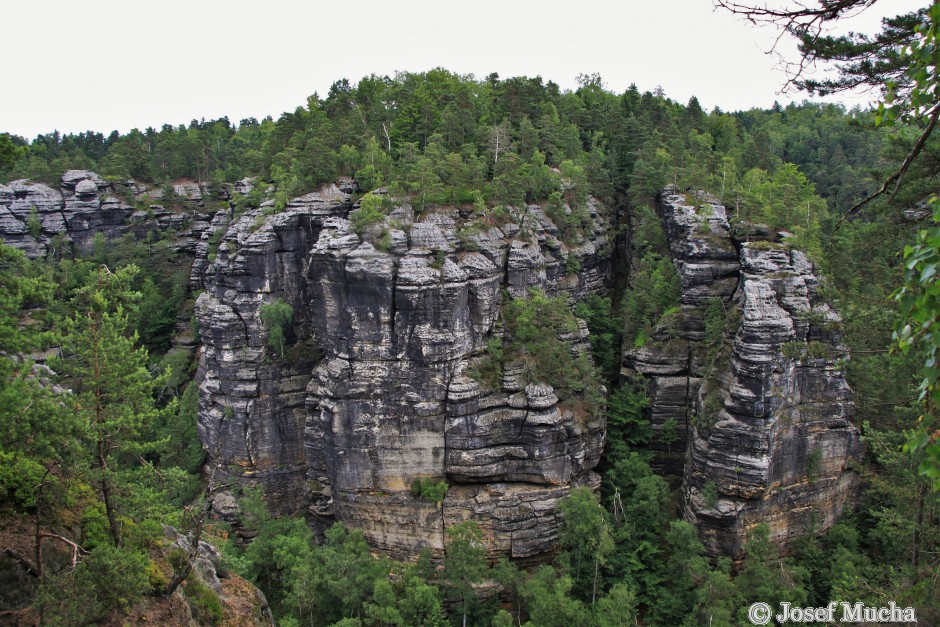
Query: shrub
[429, 490]
[19, 479]
[33, 225]
[793, 350]
[203, 602]
[813, 464]
[710, 494]
[535, 327]
[818, 350]
[715, 319]
[439, 258]
[489, 371]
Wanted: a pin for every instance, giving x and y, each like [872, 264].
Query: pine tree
[112, 389]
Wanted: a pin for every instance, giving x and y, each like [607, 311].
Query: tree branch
[28, 566]
[898, 177]
[804, 22]
[76, 549]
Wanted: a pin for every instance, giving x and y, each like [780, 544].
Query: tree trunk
[103, 443]
[919, 523]
[106, 494]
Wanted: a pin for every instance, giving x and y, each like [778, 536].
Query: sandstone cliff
[749, 401]
[373, 393]
[38, 219]
[763, 407]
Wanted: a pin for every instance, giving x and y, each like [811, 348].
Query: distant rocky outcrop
[373, 393]
[38, 219]
[764, 415]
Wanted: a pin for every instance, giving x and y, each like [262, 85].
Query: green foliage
[323, 584]
[113, 391]
[19, 479]
[813, 464]
[686, 565]
[762, 578]
[9, 151]
[439, 258]
[276, 316]
[628, 426]
[33, 225]
[637, 499]
[370, 213]
[618, 607]
[464, 564]
[918, 298]
[654, 283]
[203, 601]
[606, 333]
[799, 351]
[793, 350]
[669, 431]
[156, 316]
[444, 138]
[715, 322]
[429, 490]
[710, 494]
[489, 370]
[550, 604]
[818, 350]
[178, 435]
[251, 200]
[109, 580]
[534, 329]
[586, 542]
[654, 168]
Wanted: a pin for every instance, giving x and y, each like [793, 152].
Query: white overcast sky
[117, 64]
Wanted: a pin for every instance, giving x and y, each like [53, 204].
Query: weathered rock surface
[781, 447]
[373, 393]
[241, 602]
[769, 436]
[38, 219]
[706, 261]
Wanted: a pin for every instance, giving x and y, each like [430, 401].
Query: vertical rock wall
[774, 442]
[768, 430]
[388, 401]
[672, 360]
[251, 402]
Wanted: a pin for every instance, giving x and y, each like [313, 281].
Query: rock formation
[707, 263]
[38, 219]
[373, 394]
[764, 412]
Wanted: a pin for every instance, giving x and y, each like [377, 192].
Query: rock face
[768, 412]
[373, 394]
[707, 263]
[241, 602]
[40, 220]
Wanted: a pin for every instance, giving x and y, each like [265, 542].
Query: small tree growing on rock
[275, 317]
